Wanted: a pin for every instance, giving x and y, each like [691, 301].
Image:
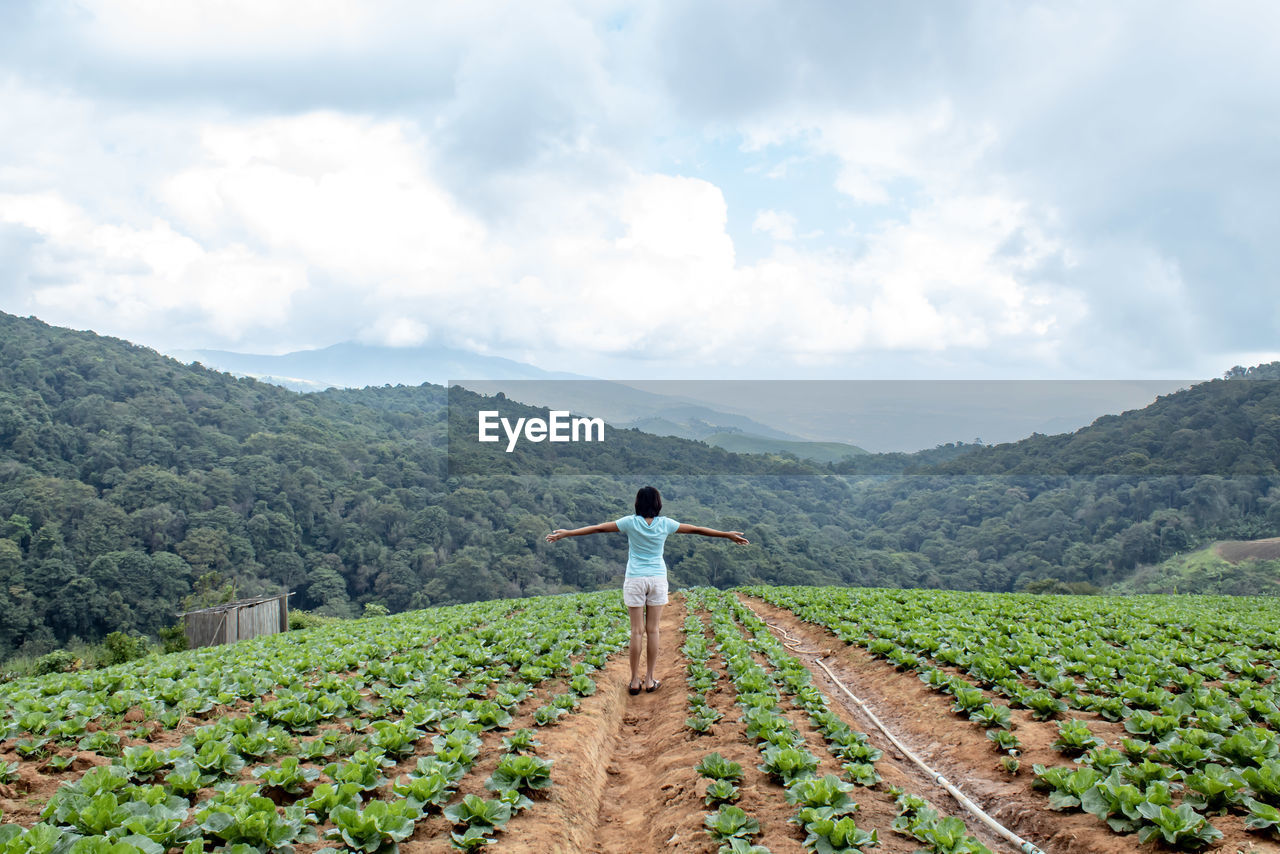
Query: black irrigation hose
[794, 645]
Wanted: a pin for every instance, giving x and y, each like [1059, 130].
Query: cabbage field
[1163, 711]
[1083, 724]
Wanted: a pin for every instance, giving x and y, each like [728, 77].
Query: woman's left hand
[558, 534]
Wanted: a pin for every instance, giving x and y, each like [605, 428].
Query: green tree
[206, 549]
[328, 593]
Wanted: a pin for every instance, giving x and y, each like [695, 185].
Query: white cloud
[158, 26]
[135, 279]
[779, 225]
[931, 148]
[937, 281]
[1033, 183]
[643, 267]
[676, 218]
[397, 332]
[348, 196]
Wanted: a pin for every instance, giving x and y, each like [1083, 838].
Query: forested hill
[1229, 426]
[125, 476]
[128, 479]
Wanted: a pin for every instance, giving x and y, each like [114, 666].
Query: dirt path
[623, 768]
[625, 778]
[650, 800]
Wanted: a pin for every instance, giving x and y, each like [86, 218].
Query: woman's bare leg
[637, 642]
[651, 619]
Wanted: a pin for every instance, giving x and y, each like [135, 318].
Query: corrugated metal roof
[231, 606]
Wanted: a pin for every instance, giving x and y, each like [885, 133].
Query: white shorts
[645, 590]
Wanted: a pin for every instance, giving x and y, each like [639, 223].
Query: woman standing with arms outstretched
[644, 590]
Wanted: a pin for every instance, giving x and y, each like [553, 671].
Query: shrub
[375, 609]
[58, 661]
[299, 619]
[174, 638]
[119, 647]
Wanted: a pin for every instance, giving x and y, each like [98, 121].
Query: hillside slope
[821, 452]
[1223, 427]
[128, 480]
[1247, 572]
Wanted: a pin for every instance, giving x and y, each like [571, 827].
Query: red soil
[1238, 550]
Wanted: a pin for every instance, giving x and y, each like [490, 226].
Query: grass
[1205, 571]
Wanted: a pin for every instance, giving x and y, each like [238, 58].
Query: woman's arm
[602, 528]
[736, 536]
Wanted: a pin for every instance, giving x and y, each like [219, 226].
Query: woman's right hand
[737, 537]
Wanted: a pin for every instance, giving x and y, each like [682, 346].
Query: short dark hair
[648, 502]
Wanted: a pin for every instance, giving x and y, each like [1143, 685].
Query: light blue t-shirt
[644, 544]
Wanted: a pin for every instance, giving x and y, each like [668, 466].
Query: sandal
[654, 686]
[633, 690]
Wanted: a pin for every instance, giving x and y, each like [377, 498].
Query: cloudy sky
[736, 189]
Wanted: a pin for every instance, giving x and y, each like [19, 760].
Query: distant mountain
[701, 422]
[354, 365]
[624, 406]
[747, 443]
[878, 416]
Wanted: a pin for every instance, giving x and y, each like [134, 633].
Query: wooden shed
[248, 618]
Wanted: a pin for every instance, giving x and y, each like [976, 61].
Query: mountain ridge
[351, 364]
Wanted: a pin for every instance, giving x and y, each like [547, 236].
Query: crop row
[1193, 684]
[167, 689]
[767, 679]
[319, 751]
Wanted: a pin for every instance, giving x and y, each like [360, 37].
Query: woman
[644, 589]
